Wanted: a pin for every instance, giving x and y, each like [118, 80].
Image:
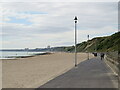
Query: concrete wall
[115, 66]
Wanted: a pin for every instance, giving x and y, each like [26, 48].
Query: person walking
[102, 56]
[95, 54]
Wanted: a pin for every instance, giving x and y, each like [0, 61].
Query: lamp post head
[75, 19]
[88, 36]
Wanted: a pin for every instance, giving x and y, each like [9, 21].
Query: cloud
[51, 23]
[18, 21]
[59, 1]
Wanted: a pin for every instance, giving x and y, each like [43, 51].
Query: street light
[87, 49]
[96, 45]
[75, 19]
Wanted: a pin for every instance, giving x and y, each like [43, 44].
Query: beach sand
[35, 71]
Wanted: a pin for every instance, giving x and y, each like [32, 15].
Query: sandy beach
[35, 71]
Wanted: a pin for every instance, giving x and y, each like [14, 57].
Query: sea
[14, 54]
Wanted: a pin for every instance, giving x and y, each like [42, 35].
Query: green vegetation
[99, 44]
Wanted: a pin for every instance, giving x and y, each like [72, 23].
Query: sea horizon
[15, 54]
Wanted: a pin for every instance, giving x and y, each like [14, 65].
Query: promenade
[93, 73]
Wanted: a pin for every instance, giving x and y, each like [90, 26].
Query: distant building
[37, 48]
[26, 48]
[48, 47]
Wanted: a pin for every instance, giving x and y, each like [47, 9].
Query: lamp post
[87, 49]
[96, 45]
[75, 19]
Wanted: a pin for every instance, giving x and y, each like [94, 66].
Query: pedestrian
[102, 56]
[95, 54]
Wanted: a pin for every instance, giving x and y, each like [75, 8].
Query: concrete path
[92, 73]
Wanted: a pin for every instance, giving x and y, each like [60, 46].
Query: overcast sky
[38, 24]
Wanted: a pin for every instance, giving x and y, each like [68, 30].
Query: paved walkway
[92, 73]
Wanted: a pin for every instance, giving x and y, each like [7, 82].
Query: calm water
[13, 54]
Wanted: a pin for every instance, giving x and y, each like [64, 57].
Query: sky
[39, 24]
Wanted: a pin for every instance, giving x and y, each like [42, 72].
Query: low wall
[114, 62]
